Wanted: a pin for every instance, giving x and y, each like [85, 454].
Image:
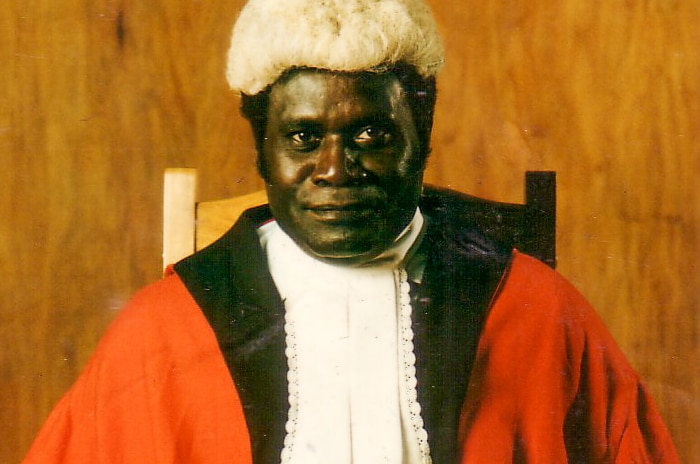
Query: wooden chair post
[179, 189]
[541, 201]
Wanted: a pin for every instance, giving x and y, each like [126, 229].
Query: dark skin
[342, 163]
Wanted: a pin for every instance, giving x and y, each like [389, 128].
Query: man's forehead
[308, 91]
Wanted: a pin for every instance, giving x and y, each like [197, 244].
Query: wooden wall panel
[98, 96]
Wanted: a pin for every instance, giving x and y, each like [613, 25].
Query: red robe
[157, 389]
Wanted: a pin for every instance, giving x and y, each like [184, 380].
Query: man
[350, 321]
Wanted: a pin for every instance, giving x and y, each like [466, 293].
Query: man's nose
[333, 166]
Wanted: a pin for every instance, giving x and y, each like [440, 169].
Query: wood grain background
[97, 97]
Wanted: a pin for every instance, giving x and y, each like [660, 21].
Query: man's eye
[304, 139]
[372, 137]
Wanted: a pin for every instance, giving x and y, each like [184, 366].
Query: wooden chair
[189, 225]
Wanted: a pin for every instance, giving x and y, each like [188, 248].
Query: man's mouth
[342, 213]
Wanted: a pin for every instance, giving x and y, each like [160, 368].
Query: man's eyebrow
[379, 117]
[293, 124]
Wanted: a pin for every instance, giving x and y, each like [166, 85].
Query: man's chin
[345, 253]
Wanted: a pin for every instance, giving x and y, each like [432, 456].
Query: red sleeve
[157, 390]
[549, 383]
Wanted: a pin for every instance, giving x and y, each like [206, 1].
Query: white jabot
[350, 355]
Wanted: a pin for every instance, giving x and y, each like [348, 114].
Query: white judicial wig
[273, 36]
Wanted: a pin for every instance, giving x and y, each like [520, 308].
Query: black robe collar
[231, 283]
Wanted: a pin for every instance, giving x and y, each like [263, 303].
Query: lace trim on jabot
[293, 390]
[409, 365]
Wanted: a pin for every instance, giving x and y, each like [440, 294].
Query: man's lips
[339, 206]
[341, 212]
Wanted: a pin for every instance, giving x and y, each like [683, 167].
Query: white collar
[402, 251]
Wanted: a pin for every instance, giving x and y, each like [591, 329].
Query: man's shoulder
[158, 331]
[156, 313]
[443, 199]
[534, 298]
[436, 199]
[234, 256]
[461, 216]
[231, 274]
[456, 234]
[529, 278]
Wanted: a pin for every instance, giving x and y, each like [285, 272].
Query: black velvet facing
[231, 283]
[449, 309]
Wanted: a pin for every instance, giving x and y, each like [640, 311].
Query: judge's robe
[513, 365]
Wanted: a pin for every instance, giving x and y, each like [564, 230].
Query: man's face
[341, 160]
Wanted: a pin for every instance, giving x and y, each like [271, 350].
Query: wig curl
[273, 36]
